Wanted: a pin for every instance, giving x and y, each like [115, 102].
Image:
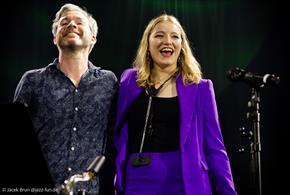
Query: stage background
[253, 35]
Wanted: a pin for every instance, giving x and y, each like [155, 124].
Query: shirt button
[69, 169]
[77, 91]
[76, 108]
[74, 129]
[72, 148]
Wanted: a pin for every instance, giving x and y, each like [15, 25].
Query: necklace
[152, 91]
[140, 159]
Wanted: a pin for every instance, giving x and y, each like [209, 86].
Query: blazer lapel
[187, 98]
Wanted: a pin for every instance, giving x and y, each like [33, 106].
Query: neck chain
[152, 91]
[141, 159]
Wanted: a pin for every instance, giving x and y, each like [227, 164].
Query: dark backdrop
[253, 35]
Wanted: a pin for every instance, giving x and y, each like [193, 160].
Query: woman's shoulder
[207, 86]
[128, 73]
[203, 85]
[205, 81]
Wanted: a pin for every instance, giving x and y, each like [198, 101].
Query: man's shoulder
[41, 70]
[100, 72]
[32, 73]
[37, 74]
[105, 74]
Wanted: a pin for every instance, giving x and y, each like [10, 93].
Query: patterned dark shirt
[71, 122]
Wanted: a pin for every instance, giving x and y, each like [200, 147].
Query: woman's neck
[159, 74]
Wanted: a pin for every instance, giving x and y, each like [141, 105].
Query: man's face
[73, 31]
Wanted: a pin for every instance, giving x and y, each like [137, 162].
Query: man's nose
[72, 24]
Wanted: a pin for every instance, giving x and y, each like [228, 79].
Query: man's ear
[94, 39]
[54, 40]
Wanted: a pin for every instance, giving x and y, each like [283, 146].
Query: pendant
[140, 160]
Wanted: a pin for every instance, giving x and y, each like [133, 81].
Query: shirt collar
[91, 67]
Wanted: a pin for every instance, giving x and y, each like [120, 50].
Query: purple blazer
[203, 154]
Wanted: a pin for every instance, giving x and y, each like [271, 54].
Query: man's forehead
[73, 14]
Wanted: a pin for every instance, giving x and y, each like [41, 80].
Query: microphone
[238, 74]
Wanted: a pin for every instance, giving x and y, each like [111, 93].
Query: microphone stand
[254, 136]
[68, 187]
[256, 82]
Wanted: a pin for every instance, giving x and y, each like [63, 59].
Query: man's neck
[73, 65]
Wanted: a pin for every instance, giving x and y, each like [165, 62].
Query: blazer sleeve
[120, 132]
[216, 155]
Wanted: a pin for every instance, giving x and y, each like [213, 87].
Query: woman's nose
[167, 39]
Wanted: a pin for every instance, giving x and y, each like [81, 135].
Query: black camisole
[162, 128]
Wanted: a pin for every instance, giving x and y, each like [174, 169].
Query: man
[70, 99]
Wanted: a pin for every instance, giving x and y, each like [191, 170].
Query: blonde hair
[71, 7]
[187, 64]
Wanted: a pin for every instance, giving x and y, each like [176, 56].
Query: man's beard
[70, 46]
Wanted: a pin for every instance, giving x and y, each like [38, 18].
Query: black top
[162, 128]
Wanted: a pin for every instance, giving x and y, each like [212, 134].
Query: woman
[167, 134]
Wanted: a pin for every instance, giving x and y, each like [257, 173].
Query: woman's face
[165, 44]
